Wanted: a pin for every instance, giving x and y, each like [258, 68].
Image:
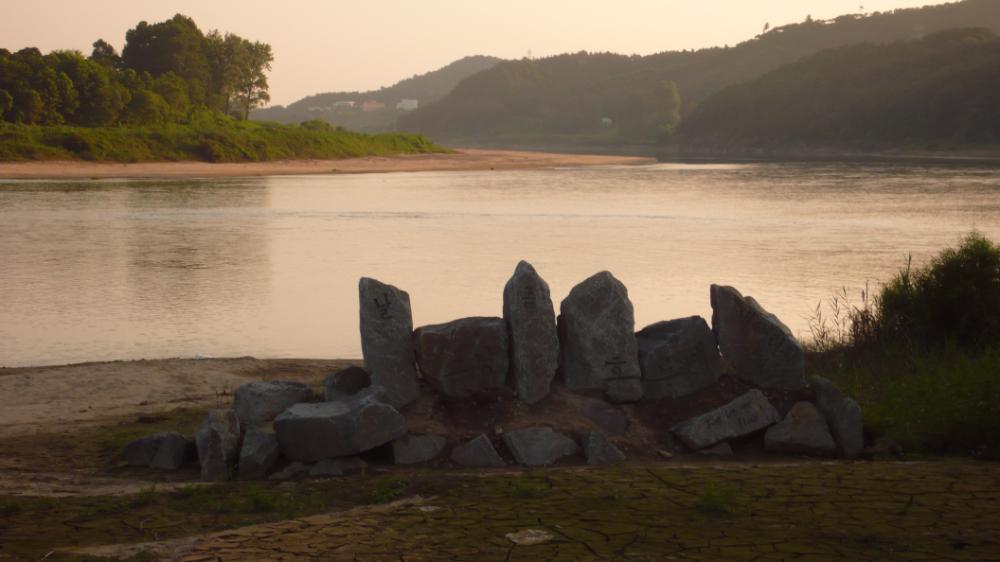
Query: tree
[6, 102]
[252, 81]
[105, 54]
[175, 45]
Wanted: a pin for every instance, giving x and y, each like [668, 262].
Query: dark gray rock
[218, 441]
[337, 467]
[260, 402]
[747, 414]
[623, 390]
[597, 334]
[465, 358]
[292, 471]
[387, 341]
[598, 449]
[843, 415]
[534, 341]
[477, 452]
[538, 446]
[760, 347]
[677, 357]
[258, 455]
[142, 451]
[413, 449]
[345, 383]
[313, 432]
[175, 451]
[802, 431]
[606, 417]
[719, 450]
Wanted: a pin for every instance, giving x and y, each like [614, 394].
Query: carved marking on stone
[383, 306]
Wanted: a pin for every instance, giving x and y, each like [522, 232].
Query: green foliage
[388, 489]
[719, 499]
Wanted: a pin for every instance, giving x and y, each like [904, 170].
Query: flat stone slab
[677, 357]
[260, 402]
[477, 452]
[413, 449]
[760, 347]
[534, 340]
[598, 449]
[466, 358]
[218, 441]
[597, 334]
[538, 446]
[747, 414]
[843, 416]
[803, 430]
[387, 340]
[258, 455]
[345, 383]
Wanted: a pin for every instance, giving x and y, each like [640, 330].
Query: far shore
[463, 160]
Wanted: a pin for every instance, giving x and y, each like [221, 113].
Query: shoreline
[462, 160]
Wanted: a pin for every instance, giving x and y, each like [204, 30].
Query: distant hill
[614, 98]
[424, 88]
[944, 88]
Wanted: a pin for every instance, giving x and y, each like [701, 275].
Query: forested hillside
[944, 88]
[621, 98]
[424, 88]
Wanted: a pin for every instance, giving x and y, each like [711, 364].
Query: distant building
[407, 105]
[372, 105]
[607, 122]
[343, 104]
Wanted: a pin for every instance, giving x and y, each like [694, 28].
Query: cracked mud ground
[934, 510]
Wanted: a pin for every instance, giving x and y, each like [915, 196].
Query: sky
[337, 45]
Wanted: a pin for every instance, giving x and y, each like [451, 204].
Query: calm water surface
[99, 270]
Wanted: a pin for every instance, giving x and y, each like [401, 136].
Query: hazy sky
[330, 45]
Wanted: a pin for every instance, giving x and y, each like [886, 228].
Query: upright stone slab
[258, 455]
[534, 341]
[597, 335]
[802, 431]
[260, 402]
[538, 446]
[345, 383]
[218, 442]
[477, 452]
[749, 413]
[313, 432]
[760, 347]
[843, 415]
[598, 449]
[387, 340]
[677, 357]
[466, 358]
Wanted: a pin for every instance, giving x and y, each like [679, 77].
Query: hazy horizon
[323, 46]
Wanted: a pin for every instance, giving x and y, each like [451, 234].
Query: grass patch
[388, 489]
[718, 499]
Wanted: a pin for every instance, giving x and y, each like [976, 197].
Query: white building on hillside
[407, 105]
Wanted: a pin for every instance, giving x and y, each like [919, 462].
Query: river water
[128, 269]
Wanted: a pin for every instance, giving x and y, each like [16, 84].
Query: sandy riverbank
[465, 160]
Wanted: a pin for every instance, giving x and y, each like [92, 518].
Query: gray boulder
[843, 416]
[258, 455]
[464, 358]
[387, 340]
[534, 341]
[760, 347]
[313, 432]
[605, 416]
[337, 467]
[597, 334]
[142, 451]
[345, 383]
[218, 441]
[802, 431]
[260, 402]
[538, 446]
[719, 450]
[413, 449]
[598, 449]
[477, 452]
[747, 414]
[175, 451]
[621, 391]
[677, 357]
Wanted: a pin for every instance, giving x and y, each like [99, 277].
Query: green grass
[718, 499]
[217, 140]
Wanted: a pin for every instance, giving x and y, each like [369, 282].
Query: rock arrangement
[591, 350]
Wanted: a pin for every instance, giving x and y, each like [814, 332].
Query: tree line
[168, 72]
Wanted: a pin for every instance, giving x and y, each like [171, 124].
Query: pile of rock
[592, 348]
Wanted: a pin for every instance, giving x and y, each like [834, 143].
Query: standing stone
[175, 451]
[600, 450]
[477, 452]
[259, 402]
[843, 415]
[258, 455]
[760, 347]
[413, 449]
[677, 357]
[538, 446]
[218, 441]
[605, 416]
[596, 334]
[387, 340]
[749, 413]
[345, 383]
[465, 358]
[313, 432]
[534, 341]
[802, 431]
